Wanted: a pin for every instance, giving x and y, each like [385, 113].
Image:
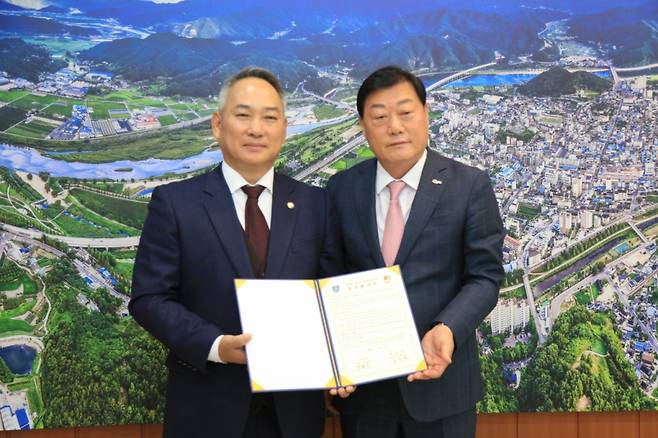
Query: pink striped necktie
[394, 226]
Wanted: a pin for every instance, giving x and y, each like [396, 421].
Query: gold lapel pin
[437, 182]
[291, 205]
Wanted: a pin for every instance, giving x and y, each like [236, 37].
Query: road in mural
[103, 100]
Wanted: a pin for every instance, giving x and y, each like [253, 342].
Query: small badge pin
[437, 182]
[291, 205]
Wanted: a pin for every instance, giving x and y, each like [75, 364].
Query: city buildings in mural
[101, 101]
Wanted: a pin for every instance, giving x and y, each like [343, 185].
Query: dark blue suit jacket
[192, 248]
[451, 261]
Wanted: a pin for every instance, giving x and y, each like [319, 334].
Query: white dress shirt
[235, 181]
[407, 195]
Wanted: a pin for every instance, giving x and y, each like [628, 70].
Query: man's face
[396, 126]
[251, 128]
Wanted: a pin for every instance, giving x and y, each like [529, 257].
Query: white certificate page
[288, 349]
[371, 326]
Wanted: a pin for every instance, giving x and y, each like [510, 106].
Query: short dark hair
[250, 72]
[386, 77]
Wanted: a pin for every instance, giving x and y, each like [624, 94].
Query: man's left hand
[438, 345]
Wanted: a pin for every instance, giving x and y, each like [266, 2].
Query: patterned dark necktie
[256, 230]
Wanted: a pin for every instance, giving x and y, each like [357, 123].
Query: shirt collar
[235, 181]
[411, 178]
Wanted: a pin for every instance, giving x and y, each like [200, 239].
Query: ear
[216, 124]
[427, 110]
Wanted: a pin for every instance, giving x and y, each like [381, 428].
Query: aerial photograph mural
[101, 101]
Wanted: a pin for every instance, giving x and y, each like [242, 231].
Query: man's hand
[343, 391]
[329, 405]
[231, 348]
[438, 345]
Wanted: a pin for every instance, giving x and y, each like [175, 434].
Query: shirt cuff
[213, 354]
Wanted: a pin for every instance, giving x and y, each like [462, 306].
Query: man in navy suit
[240, 220]
[439, 220]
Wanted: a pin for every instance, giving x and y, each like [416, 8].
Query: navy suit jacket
[451, 261]
[192, 248]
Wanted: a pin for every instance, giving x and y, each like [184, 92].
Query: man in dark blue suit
[439, 220]
[239, 221]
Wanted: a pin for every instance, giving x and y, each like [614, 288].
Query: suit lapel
[221, 211]
[365, 210]
[284, 216]
[430, 190]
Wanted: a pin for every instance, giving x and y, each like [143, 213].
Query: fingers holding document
[438, 345]
[231, 348]
[343, 391]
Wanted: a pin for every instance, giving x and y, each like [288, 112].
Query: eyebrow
[381, 105]
[247, 107]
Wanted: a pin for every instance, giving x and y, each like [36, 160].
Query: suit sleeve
[483, 271]
[155, 302]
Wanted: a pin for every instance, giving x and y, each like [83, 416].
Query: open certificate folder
[338, 331]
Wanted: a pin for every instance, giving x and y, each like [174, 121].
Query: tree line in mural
[99, 369]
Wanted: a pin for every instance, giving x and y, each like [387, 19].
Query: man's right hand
[231, 348]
